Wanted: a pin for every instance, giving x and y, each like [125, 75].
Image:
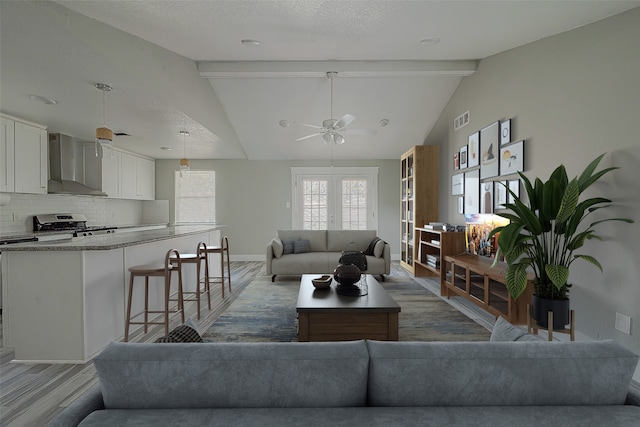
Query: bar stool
[223, 250]
[202, 285]
[155, 270]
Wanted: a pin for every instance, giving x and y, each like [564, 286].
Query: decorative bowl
[322, 282]
[347, 274]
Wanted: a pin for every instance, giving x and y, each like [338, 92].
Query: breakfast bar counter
[64, 300]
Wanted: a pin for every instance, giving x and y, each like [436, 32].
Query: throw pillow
[370, 249]
[287, 246]
[505, 331]
[278, 247]
[301, 246]
[378, 249]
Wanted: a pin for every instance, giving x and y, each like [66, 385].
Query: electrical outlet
[623, 323]
[17, 217]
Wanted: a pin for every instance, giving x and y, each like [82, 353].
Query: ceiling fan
[332, 130]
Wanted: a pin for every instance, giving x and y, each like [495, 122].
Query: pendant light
[185, 164]
[104, 135]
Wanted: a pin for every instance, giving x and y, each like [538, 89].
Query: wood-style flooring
[32, 394]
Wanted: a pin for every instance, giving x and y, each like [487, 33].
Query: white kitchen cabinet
[6, 155]
[25, 158]
[138, 176]
[102, 172]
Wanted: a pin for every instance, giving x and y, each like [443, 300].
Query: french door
[334, 198]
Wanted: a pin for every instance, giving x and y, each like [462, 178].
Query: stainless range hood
[65, 162]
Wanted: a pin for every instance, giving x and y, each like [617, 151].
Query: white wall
[571, 97]
[251, 195]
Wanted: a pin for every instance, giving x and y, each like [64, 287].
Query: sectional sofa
[296, 252]
[360, 383]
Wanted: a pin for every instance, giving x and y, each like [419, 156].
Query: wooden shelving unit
[430, 257]
[419, 197]
[474, 278]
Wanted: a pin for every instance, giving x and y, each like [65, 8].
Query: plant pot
[560, 308]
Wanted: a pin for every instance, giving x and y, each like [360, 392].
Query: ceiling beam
[277, 69]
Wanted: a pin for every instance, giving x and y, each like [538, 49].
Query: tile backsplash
[16, 216]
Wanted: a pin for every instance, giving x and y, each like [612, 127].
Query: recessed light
[284, 123]
[166, 148]
[250, 42]
[383, 122]
[48, 101]
[430, 41]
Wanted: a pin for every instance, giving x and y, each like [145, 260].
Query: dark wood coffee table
[323, 315]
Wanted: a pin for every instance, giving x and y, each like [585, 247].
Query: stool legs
[163, 271]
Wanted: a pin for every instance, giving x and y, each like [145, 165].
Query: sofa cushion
[483, 416]
[233, 375]
[378, 249]
[505, 331]
[317, 238]
[287, 246]
[499, 373]
[349, 240]
[278, 247]
[301, 246]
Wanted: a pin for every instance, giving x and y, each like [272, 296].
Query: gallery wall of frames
[485, 168]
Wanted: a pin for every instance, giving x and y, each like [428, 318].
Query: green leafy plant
[544, 234]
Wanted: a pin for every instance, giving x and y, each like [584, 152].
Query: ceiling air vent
[121, 134]
[461, 121]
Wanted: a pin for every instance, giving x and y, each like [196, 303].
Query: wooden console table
[474, 278]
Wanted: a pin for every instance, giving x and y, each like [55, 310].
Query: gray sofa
[325, 249]
[360, 383]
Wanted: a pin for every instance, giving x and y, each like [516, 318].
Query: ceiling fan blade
[308, 125]
[349, 131]
[309, 136]
[344, 121]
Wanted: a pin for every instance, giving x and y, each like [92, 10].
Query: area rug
[265, 311]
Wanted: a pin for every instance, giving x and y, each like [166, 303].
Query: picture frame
[486, 197]
[472, 192]
[512, 158]
[463, 157]
[514, 187]
[473, 150]
[461, 205]
[505, 132]
[457, 184]
[456, 161]
[490, 151]
[500, 195]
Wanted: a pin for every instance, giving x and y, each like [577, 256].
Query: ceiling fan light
[327, 137]
[338, 139]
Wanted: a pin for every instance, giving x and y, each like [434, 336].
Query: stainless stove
[65, 222]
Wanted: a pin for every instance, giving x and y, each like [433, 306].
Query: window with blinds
[195, 197]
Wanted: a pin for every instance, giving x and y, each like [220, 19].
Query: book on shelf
[436, 242]
[433, 227]
[432, 258]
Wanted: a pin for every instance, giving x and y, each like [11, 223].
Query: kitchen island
[64, 300]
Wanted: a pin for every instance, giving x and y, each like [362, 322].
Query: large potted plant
[543, 235]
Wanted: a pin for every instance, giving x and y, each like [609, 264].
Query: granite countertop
[112, 241]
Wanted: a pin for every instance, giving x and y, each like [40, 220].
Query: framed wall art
[472, 192]
[457, 184]
[512, 158]
[489, 151]
[505, 132]
[514, 188]
[461, 204]
[463, 157]
[456, 161]
[486, 197]
[500, 194]
[473, 150]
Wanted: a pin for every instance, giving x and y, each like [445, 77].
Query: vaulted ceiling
[181, 65]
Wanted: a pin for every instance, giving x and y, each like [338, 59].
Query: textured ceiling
[153, 53]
